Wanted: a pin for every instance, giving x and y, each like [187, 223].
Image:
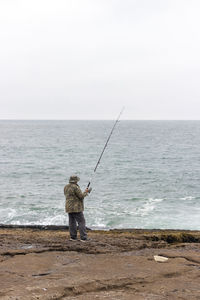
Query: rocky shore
[41, 263]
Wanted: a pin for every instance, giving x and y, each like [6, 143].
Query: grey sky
[70, 59]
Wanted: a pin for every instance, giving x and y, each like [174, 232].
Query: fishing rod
[104, 148]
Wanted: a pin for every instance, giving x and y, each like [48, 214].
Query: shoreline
[41, 263]
[66, 227]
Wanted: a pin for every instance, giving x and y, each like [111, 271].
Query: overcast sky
[85, 59]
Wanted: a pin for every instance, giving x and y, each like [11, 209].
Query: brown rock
[44, 264]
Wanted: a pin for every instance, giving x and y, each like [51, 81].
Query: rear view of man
[74, 206]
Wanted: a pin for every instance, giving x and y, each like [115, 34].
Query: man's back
[74, 198]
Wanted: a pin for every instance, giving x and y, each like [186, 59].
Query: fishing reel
[89, 190]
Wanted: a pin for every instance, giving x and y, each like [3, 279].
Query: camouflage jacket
[74, 198]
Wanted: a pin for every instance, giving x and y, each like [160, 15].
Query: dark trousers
[75, 218]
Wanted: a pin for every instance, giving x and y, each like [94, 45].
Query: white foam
[53, 220]
[188, 198]
[148, 206]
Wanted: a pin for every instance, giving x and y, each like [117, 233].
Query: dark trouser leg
[72, 225]
[81, 225]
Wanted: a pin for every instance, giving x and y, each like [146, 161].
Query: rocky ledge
[41, 263]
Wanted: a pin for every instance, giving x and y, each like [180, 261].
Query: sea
[148, 177]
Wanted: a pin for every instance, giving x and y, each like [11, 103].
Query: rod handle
[88, 185]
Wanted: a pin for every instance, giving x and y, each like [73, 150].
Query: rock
[38, 263]
[160, 258]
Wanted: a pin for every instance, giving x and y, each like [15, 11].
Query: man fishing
[74, 206]
[74, 198]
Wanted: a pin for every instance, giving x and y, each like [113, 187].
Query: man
[74, 207]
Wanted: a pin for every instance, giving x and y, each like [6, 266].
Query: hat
[74, 179]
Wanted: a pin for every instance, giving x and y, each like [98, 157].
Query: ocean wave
[148, 206]
[188, 198]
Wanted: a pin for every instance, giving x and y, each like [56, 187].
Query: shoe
[85, 240]
[73, 239]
